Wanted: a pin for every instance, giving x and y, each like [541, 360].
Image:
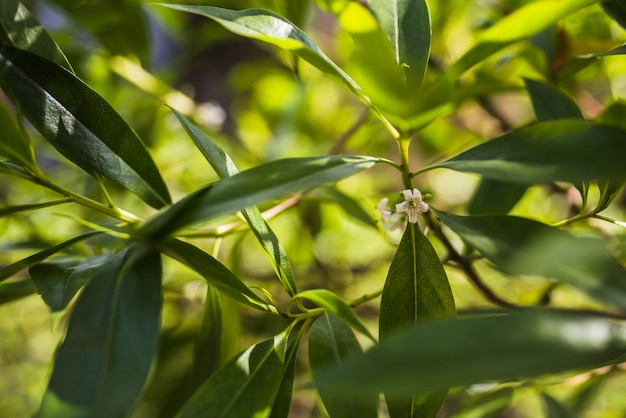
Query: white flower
[388, 220]
[412, 205]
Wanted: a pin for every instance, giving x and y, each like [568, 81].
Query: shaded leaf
[264, 182]
[12, 210]
[338, 307]
[616, 9]
[80, 124]
[58, 282]
[331, 342]
[562, 150]
[214, 272]
[416, 290]
[207, 355]
[14, 144]
[11, 269]
[13, 291]
[489, 405]
[21, 29]
[523, 246]
[608, 192]
[495, 196]
[554, 409]
[282, 403]
[104, 360]
[225, 167]
[551, 103]
[246, 386]
[446, 353]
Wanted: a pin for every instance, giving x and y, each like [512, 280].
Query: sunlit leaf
[104, 360]
[265, 182]
[331, 342]
[58, 282]
[446, 353]
[80, 124]
[13, 291]
[214, 272]
[14, 145]
[487, 405]
[524, 246]
[225, 167]
[246, 386]
[416, 290]
[554, 409]
[338, 307]
[21, 29]
[11, 269]
[562, 150]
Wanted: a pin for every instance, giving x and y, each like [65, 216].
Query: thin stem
[365, 298]
[605, 314]
[403, 149]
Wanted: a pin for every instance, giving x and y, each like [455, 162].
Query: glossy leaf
[551, 103]
[13, 291]
[207, 353]
[225, 167]
[246, 386]
[416, 290]
[265, 182]
[58, 282]
[21, 29]
[282, 403]
[15, 145]
[616, 9]
[331, 342]
[407, 26]
[446, 353]
[338, 307]
[555, 409]
[80, 124]
[214, 272]
[101, 366]
[523, 246]
[11, 269]
[562, 150]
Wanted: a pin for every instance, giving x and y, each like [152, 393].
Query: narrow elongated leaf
[13, 291]
[331, 342]
[407, 26]
[101, 366]
[608, 192]
[416, 290]
[12, 210]
[555, 409]
[338, 307]
[447, 353]
[21, 29]
[11, 269]
[214, 272]
[562, 150]
[265, 182]
[207, 356]
[523, 246]
[551, 103]
[225, 167]
[282, 403]
[484, 200]
[14, 144]
[246, 386]
[80, 124]
[58, 282]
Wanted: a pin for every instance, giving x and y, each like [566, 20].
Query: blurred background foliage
[259, 105]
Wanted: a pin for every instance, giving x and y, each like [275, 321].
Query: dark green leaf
[21, 29]
[208, 354]
[12, 291]
[488, 405]
[617, 51]
[445, 353]
[562, 150]
[12, 210]
[225, 167]
[494, 196]
[613, 115]
[551, 103]
[101, 366]
[11, 269]
[58, 282]
[555, 409]
[282, 403]
[608, 192]
[416, 290]
[527, 247]
[246, 386]
[265, 182]
[338, 307]
[331, 342]
[80, 124]
[616, 9]
[214, 272]
[407, 26]
[14, 144]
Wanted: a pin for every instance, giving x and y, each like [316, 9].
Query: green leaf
[58, 282]
[487, 405]
[13, 291]
[80, 124]
[21, 29]
[527, 247]
[337, 306]
[11, 269]
[469, 350]
[483, 201]
[551, 103]
[265, 182]
[407, 26]
[225, 167]
[101, 366]
[562, 150]
[555, 409]
[207, 353]
[282, 403]
[214, 272]
[616, 9]
[331, 342]
[416, 290]
[608, 192]
[246, 386]
[12, 210]
[14, 145]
